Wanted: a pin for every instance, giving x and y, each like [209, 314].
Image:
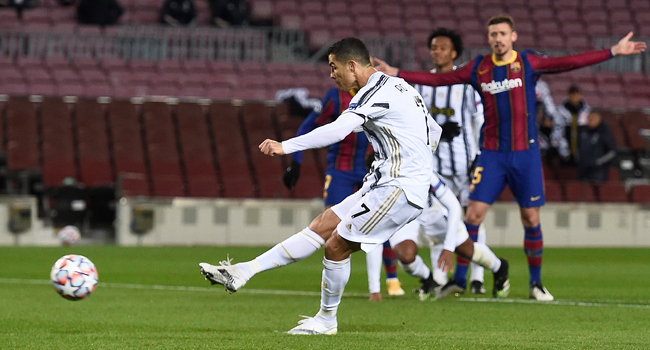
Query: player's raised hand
[385, 67]
[271, 148]
[627, 47]
[446, 261]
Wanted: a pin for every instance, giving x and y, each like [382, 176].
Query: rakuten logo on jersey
[496, 87]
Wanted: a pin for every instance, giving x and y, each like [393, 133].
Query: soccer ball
[74, 277]
[69, 235]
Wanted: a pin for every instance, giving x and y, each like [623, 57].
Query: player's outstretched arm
[627, 47]
[385, 67]
[271, 148]
[564, 63]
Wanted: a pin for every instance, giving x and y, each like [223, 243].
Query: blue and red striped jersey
[508, 92]
[350, 153]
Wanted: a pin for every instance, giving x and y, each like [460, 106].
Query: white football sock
[438, 276]
[295, 248]
[417, 268]
[374, 260]
[477, 270]
[335, 277]
[485, 257]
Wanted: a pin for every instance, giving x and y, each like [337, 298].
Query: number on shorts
[365, 210]
[477, 175]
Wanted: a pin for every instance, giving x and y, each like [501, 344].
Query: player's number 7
[365, 210]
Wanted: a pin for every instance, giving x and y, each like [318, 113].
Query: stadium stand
[206, 143]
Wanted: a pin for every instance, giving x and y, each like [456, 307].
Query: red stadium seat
[160, 139]
[553, 191]
[231, 154]
[612, 192]
[58, 146]
[134, 185]
[94, 155]
[259, 125]
[126, 137]
[640, 194]
[577, 191]
[168, 186]
[22, 134]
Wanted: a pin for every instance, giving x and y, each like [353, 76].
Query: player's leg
[295, 248]
[406, 250]
[336, 274]
[487, 184]
[482, 255]
[477, 275]
[534, 248]
[527, 184]
[393, 285]
[372, 220]
[373, 264]
[463, 184]
[438, 276]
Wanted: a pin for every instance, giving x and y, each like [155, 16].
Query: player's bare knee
[406, 251]
[530, 216]
[325, 223]
[466, 249]
[337, 248]
[476, 212]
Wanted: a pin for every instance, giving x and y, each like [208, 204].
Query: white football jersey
[461, 104]
[402, 134]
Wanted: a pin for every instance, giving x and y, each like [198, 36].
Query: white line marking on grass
[637, 304]
[556, 302]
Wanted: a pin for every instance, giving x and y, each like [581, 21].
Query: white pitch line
[637, 304]
[556, 302]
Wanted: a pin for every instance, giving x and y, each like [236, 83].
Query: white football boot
[539, 292]
[314, 326]
[230, 276]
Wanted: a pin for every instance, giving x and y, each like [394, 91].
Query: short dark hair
[349, 49]
[455, 38]
[574, 89]
[502, 18]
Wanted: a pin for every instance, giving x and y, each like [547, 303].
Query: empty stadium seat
[553, 191]
[577, 191]
[58, 146]
[259, 122]
[231, 154]
[94, 156]
[612, 192]
[197, 155]
[22, 134]
[126, 137]
[640, 194]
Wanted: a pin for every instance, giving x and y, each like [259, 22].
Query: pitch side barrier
[256, 222]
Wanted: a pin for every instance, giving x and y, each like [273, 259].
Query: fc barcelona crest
[515, 67]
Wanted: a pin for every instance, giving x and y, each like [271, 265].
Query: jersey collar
[512, 59]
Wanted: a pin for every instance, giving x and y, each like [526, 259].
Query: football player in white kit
[395, 190]
[459, 111]
[441, 222]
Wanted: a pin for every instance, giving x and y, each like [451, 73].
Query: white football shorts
[371, 218]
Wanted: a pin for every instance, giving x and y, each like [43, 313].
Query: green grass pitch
[155, 298]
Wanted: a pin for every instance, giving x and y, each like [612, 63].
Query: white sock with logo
[335, 277]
